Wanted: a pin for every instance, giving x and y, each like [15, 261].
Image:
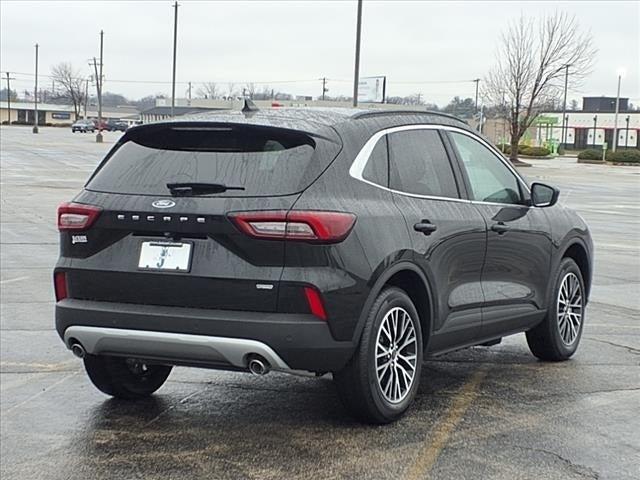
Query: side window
[491, 180]
[377, 168]
[418, 163]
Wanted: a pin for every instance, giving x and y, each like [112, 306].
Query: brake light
[315, 302]
[75, 216]
[311, 226]
[60, 285]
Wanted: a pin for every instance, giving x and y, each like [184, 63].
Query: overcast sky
[290, 45]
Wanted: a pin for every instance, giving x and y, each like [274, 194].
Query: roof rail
[374, 113]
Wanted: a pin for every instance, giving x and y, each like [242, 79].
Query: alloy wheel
[396, 355]
[570, 308]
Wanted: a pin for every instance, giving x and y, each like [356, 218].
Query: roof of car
[305, 115]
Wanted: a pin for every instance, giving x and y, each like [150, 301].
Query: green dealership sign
[542, 120]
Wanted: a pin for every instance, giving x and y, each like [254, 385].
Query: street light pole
[35, 97]
[9, 78]
[175, 45]
[615, 118]
[99, 83]
[477, 82]
[356, 73]
[563, 141]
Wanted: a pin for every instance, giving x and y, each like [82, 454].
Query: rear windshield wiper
[198, 188]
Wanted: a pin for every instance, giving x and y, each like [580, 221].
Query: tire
[124, 377]
[368, 397]
[557, 337]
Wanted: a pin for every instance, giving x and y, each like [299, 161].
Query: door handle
[499, 228]
[425, 226]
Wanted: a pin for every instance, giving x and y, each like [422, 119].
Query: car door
[448, 234]
[518, 258]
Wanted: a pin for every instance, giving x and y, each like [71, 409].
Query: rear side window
[419, 164]
[377, 168]
[265, 161]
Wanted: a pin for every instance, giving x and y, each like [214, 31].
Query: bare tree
[209, 90]
[231, 90]
[72, 84]
[249, 90]
[530, 70]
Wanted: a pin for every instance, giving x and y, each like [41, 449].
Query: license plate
[169, 256]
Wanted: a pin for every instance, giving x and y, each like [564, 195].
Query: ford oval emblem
[163, 203]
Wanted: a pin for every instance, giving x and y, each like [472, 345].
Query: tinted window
[419, 164]
[263, 161]
[377, 168]
[491, 180]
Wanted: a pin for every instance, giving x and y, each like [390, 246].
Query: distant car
[117, 126]
[83, 126]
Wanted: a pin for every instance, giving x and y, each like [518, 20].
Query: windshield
[262, 161]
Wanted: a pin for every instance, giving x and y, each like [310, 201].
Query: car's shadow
[275, 426]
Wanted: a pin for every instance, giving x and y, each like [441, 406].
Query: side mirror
[543, 195]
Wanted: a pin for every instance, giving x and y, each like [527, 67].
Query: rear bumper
[201, 337]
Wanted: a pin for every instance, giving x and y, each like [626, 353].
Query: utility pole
[563, 141]
[324, 86]
[615, 120]
[189, 93]
[99, 88]
[35, 98]
[86, 97]
[175, 46]
[9, 78]
[356, 73]
[477, 82]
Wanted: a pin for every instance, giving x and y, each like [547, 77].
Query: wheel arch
[578, 253]
[408, 277]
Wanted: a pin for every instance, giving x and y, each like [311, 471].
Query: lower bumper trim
[171, 346]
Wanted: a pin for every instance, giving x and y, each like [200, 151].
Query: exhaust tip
[78, 350]
[259, 366]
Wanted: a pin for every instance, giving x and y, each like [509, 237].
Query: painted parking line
[435, 443]
[11, 280]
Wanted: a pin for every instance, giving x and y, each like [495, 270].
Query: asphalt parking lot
[483, 412]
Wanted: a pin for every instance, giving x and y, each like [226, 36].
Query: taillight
[75, 216]
[310, 226]
[315, 302]
[60, 285]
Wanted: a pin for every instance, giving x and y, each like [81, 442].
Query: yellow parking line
[436, 442]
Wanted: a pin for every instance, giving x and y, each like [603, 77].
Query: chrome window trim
[360, 162]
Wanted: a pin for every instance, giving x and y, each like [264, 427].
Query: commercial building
[592, 126]
[22, 113]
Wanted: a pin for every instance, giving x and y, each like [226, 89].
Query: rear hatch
[163, 234]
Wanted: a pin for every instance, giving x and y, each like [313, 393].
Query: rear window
[265, 161]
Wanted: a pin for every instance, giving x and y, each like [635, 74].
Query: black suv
[355, 242]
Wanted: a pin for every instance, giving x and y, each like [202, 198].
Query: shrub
[629, 156]
[507, 149]
[591, 154]
[534, 151]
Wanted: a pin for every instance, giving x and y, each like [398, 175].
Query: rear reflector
[315, 302]
[60, 285]
[75, 216]
[310, 226]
